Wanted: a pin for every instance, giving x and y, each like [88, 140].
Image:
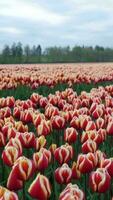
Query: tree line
[17, 53]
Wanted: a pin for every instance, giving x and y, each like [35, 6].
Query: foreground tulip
[21, 171]
[72, 192]
[86, 162]
[100, 180]
[6, 194]
[40, 188]
[63, 174]
[70, 135]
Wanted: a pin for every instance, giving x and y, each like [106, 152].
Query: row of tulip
[51, 74]
[57, 147]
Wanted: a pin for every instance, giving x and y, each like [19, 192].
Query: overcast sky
[56, 22]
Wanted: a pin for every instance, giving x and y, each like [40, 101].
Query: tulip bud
[40, 188]
[100, 180]
[63, 174]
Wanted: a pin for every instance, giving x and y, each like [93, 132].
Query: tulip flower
[43, 102]
[21, 171]
[27, 139]
[86, 162]
[70, 135]
[40, 160]
[100, 123]
[72, 192]
[40, 188]
[47, 153]
[63, 154]
[10, 155]
[108, 165]
[52, 148]
[90, 126]
[76, 174]
[17, 112]
[51, 111]
[58, 122]
[10, 101]
[15, 142]
[100, 180]
[37, 119]
[75, 123]
[99, 156]
[93, 135]
[6, 194]
[35, 98]
[2, 139]
[40, 142]
[63, 174]
[44, 128]
[110, 128]
[89, 146]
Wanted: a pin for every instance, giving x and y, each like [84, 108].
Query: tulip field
[56, 132]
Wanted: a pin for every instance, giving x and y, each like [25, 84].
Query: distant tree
[27, 50]
[6, 51]
[19, 50]
[13, 49]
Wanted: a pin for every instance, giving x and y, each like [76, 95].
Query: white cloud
[30, 11]
[10, 30]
